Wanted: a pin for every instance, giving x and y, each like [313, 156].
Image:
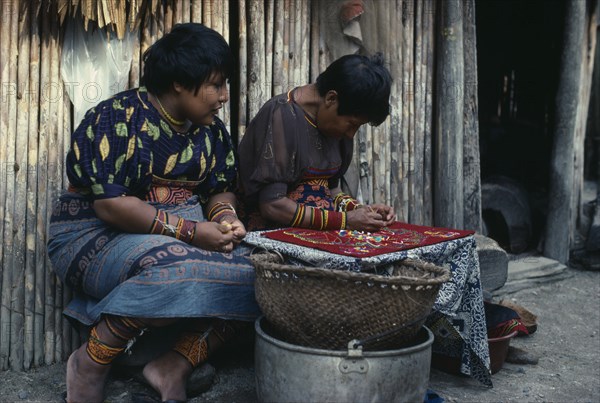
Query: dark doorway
[518, 54]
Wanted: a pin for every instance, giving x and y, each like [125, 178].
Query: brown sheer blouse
[282, 148]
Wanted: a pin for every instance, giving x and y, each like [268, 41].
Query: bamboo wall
[281, 44]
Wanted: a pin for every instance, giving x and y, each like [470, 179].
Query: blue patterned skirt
[145, 276]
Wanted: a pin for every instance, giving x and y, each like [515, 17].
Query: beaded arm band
[320, 219]
[184, 230]
[345, 202]
[220, 210]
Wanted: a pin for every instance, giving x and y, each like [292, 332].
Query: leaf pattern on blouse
[124, 141]
[131, 147]
[104, 147]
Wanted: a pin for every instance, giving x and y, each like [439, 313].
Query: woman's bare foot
[168, 375]
[85, 378]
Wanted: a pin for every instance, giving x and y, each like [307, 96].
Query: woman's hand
[230, 225]
[213, 236]
[238, 229]
[370, 218]
[364, 219]
[386, 212]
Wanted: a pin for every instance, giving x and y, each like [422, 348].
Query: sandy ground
[567, 342]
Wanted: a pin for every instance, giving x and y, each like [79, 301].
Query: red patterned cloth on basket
[396, 237]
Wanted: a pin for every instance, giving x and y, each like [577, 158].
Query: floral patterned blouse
[123, 146]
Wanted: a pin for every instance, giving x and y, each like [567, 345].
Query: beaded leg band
[124, 328]
[193, 346]
[121, 328]
[101, 352]
[196, 346]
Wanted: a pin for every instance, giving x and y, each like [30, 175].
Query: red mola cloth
[396, 237]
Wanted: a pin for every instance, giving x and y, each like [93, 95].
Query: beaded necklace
[168, 116]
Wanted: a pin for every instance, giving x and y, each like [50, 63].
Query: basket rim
[271, 261]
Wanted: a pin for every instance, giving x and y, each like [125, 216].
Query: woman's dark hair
[188, 55]
[362, 84]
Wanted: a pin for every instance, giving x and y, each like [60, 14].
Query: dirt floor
[567, 343]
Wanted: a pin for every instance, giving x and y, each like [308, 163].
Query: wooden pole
[70, 337]
[587, 69]
[427, 138]
[168, 16]
[315, 37]
[409, 110]
[286, 65]
[207, 12]
[448, 194]
[427, 75]
[134, 70]
[226, 34]
[154, 18]
[33, 266]
[62, 337]
[217, 17]
[302, 35]
[471, 164]
[256, 51]
[278, 28]
[406, 45]
[44, 200]
[395, 60]
[304, 42]
[49, 91]
[379, 152]
[269, 43]
[293, 76]
[390, 48]
[324, 52]
[416, 168]
[159, 24]
[180, 10]
[593, 131]
[362, 152]
[9, 268]
[243, 71]
[145, 37]
[53, 94]
[558, 222]
[196, 10]
[5, 164]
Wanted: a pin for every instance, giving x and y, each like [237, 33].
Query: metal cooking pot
[291, 373]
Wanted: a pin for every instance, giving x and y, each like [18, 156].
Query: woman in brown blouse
[299, 145]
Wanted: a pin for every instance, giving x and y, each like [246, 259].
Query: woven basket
[326, 309]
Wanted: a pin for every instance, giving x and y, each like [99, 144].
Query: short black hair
[189, 55]
[363, 85]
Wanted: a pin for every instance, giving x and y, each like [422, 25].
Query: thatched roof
[118, 13]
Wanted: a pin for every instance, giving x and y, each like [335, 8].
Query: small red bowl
[498, 349]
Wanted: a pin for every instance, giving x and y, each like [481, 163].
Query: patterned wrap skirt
[145, 276]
